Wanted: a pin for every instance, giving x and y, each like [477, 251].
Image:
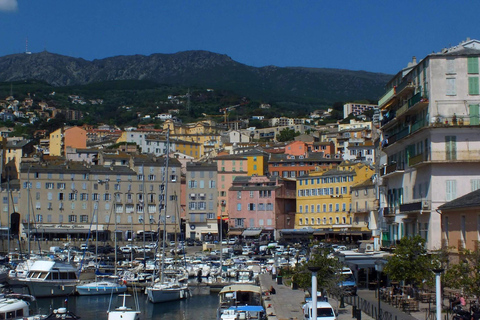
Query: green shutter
[474, 114]
[473, 85]
[473, 65]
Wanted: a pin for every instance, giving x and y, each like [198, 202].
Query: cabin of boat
[49, 278]
[238, 295]
[11, 308]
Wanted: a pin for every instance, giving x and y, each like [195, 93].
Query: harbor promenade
[286, 304]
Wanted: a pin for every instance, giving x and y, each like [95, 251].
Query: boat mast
[144, 217]
[165, 201]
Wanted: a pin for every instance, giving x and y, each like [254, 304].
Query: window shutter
[474, 114]
[473, 85]
[473, 65]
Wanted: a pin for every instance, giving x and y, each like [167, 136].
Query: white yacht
[240, 299]
[101, 286]
[49, 278]
[123, 312]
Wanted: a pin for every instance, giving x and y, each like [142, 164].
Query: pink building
[261, 205]
[228, 168]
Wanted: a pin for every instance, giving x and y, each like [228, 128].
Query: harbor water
[198, 307]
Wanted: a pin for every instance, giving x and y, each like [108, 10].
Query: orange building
[74, 137]
[296, 148]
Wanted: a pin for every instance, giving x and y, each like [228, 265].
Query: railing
[416, 159]
[404, 85]
[386, 97]
[458, 155]
[403, 133]
[418, 125]
[370, 308]
[392, 168]
[402, 109]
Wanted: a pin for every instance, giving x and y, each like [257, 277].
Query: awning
[251, 233]
[60, 230]
[234, 232]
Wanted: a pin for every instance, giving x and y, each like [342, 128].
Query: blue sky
[377, 36]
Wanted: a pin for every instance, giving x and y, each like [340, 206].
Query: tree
[287, 134]
[410, 262]
[466, 274]
[327, 275]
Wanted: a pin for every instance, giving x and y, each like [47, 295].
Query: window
[306, 208]
[72, 218]
[300, 209]
[61, 186]
[39, 218]
[451, 147]
[251, 207]
[269, 206]
[300, 221]
[49, 185]
[84, 218]
[472, 65]
[450, 65]
[474, 114]
[239, 194]
[473, 86]
[451, 192]
[451, 88]
[239, 207]
[475, 185]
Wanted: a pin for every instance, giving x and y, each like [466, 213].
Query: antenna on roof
[26, 47]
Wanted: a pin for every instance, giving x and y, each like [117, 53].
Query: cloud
[8, 5]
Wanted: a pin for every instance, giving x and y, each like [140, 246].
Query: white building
[356, 108]
[431, 136]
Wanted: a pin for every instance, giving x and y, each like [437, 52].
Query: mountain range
[202, 69]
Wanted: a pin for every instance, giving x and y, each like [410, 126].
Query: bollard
[354, 311]
[279, 280]
[274, 276]
[359, 314]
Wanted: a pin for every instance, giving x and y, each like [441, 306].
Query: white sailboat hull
[161, 294]
[124, 315]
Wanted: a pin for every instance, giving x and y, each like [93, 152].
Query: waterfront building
[324, 199]
[260, 204]
[228, 168]
[60, 139]
[430, 135]
[65, 197]
[201, 201]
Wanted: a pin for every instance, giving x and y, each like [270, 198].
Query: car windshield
[324, 312]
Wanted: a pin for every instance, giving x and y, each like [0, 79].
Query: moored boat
[101, 286]
[49, 278]
[233, 297]
[123, 312]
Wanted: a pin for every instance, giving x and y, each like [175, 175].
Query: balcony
[412, 161]
[409, 207]
[402, 109]
[392, 169]
[404, 88]
[386, 98]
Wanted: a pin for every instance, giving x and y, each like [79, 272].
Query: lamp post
[379, 268]
[341, 258]
[438, 293]
[314, 271]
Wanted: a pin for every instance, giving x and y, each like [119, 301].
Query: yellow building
[324, 197]
[56, 143]
[257, 162]
[188, 148]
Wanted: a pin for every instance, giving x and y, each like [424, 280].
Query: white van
[324, 311]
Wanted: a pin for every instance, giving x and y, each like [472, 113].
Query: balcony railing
[386, 97]
[414, 206]
[391, 168]
[416, 159]
[418, 125]
[404, 86]
[402, 109]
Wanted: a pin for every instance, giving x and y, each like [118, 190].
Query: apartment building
[430, 134]
[260, 205]
[228, 168]
[201, 201]
[356, 108]
[62, 199]
[324, 199]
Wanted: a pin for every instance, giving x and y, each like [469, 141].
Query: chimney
[414, 60]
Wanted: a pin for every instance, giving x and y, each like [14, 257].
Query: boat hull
[158, 295]
[40, 289]
[98, 290]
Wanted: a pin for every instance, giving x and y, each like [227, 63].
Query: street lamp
[379, 268]
[314, 271]
[438, 289]
[341, 258]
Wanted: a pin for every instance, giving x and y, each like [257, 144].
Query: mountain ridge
[200, 68]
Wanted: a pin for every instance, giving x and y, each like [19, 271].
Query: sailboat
[164, 289]
[103, 284]
[123, 312]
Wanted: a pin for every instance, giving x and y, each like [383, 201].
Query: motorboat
[49, 278]
[101, 286]
[123, 312]
[167, 291]
[233, 297]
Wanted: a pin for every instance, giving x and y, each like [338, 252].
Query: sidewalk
[287, 304]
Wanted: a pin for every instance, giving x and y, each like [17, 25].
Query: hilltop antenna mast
[26, 47]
